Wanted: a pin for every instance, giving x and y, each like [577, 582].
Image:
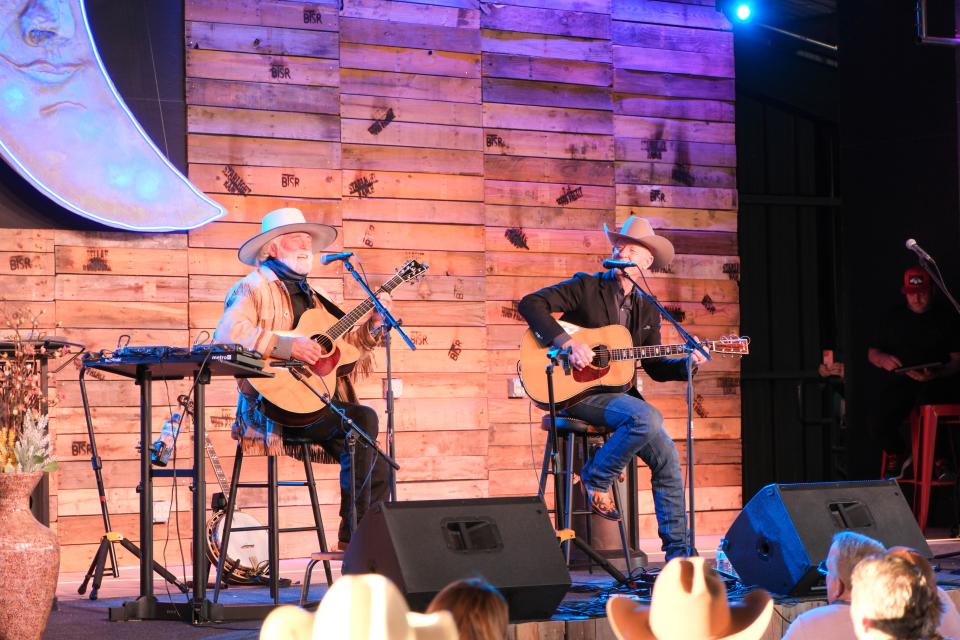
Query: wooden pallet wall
[490, 140]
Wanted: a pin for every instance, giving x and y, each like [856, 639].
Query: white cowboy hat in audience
[282, 221]
[638, 231]
[360, 607]
[689, 602]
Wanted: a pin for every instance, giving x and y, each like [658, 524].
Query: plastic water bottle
[722, 562]
[163, 448]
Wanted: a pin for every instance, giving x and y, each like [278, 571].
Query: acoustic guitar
[612, 369]
[288, 394]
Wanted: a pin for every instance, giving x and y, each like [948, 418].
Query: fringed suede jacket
[256, 307]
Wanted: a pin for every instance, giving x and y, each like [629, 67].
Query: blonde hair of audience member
[847, 549]
[895, 597]
[480, 611]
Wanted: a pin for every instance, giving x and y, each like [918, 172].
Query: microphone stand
[389, 322]
[692, 345]
[296, 369]
[930, 266]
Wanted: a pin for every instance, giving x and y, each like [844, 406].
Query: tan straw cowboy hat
[280, 222]
[690, 603]
[359, 607]
[638, 231]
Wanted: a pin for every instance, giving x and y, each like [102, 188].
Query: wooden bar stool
[924, 421]
[272, 527]
[571, 431]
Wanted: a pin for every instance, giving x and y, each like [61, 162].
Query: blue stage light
[743, 11]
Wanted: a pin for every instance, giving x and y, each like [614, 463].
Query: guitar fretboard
[346, 322]
[215, 462]
[653, 351]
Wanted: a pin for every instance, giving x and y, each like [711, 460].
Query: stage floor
[580, 615]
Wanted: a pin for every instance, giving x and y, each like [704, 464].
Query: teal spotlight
[743, 12]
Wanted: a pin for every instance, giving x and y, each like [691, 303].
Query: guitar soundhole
[325, 343]
[602, 359]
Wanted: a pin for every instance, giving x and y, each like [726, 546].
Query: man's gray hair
[850, 548]
[264, 252]
[897, 595]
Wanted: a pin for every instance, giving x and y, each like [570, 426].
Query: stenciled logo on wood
[494, 140]
[698, 407]
[20, 263]
[662, 269]
[729, 385]
[288, 180]
[707, 303]
[80, 448]
[569, 194]
[312, 16]
[93, 373]
[280, 71]
[97, 260]
[381, 123]
[732, 269]
[362, 187]
[677, 312]
[512, 312]
[656, 195]
[654, 148]
[233, 183]
[368, 236]
[517, 237]
[455, 349]
[418, 337]
[458, 289]
[224, 420]
[681, 174]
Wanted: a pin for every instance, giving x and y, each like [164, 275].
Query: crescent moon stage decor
[66, 130]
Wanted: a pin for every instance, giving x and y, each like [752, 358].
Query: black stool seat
[571, 425]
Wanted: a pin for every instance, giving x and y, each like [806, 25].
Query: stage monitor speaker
[425, 545]
[785, 530]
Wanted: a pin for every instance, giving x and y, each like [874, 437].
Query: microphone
[912, 245]
[610, 263]
[288, 364]
[333, 257]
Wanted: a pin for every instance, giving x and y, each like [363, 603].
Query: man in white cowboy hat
[606, 298]
[689, 602]
[272, 298]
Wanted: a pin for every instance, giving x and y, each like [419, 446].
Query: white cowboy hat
[280, 222]
[689, 602]
[638, 231]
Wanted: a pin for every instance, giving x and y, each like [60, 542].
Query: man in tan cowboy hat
[272, 298]
[689, 602]
[606, 298]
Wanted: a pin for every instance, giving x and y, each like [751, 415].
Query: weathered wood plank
[425, 186]
[546, 94]
[676, 152]
[685, 62]
[420, 236]
[545, 46]
[679, 175]
[406, 134]
[497, 65]
[121, 239]
[121, 288]
[659, 12]
[666, 107]
[158, 315]
[401, 210]
[262, 40]
[554, 119]
[675, 86]
[407, 60]
[265, 152]
[409, 85]
[427, 288]
[120, 261]
[673, 38]
[261, 95]
[555, 217]
[689, 219]
[525, 169]
[547, 21]
[670, 129]
[417, 36]
[545, 194]
[264, 124]
[296, 182]
[253, 67]
[449, 263]
[250, 208]
[383, 158]
[411, 110]
[673, 196]
[412, 13]
[550, 144]
[24, 263]
[321, 16]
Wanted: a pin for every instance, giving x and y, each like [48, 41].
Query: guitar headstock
[731, 346]
[411, 270]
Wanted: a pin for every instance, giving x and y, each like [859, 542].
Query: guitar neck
[653, 351]
[345, 323]
[217, 469]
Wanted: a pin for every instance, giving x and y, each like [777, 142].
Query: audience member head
[918, 289]
[689, 602]
[479, 610]
[360, 607]
[848, 548]
[895, 596]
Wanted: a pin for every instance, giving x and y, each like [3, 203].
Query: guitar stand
[98, 566]
[562, 512]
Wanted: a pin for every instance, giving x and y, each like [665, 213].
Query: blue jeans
[638, 430]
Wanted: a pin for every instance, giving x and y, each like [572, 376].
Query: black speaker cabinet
[785, 530]
[425, 545]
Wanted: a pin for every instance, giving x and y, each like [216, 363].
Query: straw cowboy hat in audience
[280, 222]
[360, 607]
[689, 602]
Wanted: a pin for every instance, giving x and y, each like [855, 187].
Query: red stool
[924, 421]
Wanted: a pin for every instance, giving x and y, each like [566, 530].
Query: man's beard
[297, 262]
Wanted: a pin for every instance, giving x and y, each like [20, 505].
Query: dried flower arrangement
[24, 440]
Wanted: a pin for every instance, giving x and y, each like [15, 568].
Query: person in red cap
[918, 348]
